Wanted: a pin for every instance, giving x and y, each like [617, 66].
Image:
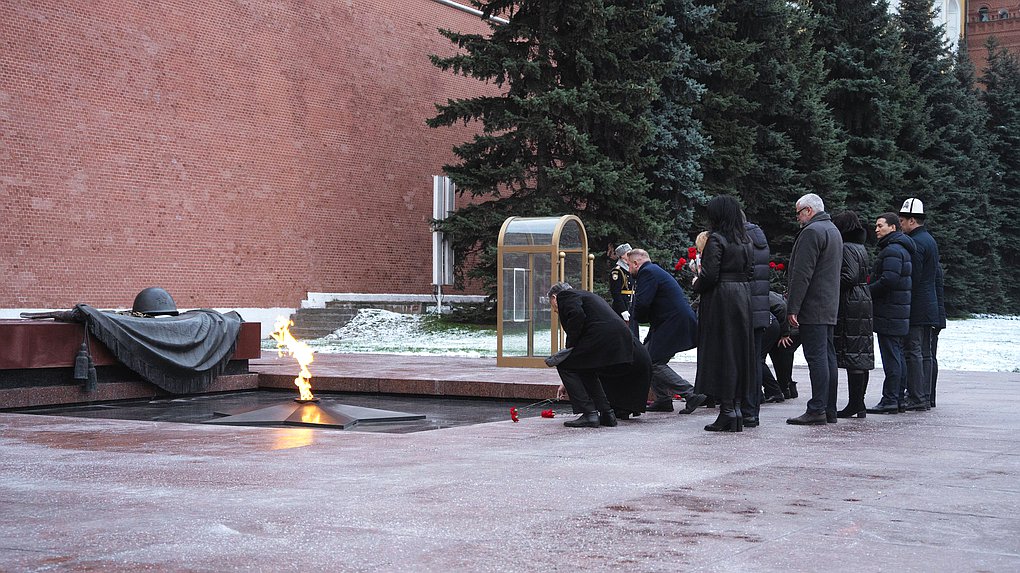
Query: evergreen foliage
[954, 180]
[1001, 79]
[632, 114]
[571, 130]
[677, 144]
[773, 137]
[864, 71]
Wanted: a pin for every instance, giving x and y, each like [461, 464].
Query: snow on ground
[984, 343]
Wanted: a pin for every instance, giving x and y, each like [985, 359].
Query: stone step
[318, 322]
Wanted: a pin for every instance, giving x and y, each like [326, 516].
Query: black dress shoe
[884, 409]
[622, 415]
[660, 405]
[830, 417]
[750, 421]
[917, 407]
[693, 401]
[808, 419]
[793, 390]
[607, 419]
[774, 399]
[590, 420]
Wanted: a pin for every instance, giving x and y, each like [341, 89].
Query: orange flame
[287, 344]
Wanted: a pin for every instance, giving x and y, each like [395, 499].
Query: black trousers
[782, 360]
[585, 389]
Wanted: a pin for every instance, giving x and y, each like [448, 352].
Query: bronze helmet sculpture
[154, 301]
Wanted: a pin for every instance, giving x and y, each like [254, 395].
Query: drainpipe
[470, 10]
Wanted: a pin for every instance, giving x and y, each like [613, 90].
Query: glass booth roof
[541, 231]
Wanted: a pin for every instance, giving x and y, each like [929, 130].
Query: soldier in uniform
[620, 286]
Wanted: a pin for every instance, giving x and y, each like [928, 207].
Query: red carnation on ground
[513, 415]
[548, 414]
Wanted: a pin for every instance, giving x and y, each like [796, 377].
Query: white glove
[626, 315]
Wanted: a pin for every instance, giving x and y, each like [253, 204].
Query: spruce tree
[968, 232]
[1001, 79]
[863, 73]
[954, 181]
[925, 59]
[677, 144]
[725, 111]
[773, 137]
[568, 132]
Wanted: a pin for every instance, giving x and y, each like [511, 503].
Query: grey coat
[814, 272]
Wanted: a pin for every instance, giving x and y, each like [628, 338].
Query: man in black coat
[604, 359]
[924, 305]
[890, 302]
[659, 301]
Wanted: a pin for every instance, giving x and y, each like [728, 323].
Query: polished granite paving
[936, 491]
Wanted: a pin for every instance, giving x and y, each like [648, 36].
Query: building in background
[986, 18]
[248, 155]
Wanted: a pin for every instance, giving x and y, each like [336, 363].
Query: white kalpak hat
[912, 206]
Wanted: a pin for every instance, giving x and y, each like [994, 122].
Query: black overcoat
[924, 304]
[853, 336]
[597, 335]
[599, 339]
[726, 357]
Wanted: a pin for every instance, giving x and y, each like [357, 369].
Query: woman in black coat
[853, 336]
[725, 335]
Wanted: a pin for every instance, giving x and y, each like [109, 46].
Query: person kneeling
[606, 367]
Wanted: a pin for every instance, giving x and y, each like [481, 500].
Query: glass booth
[533, 253]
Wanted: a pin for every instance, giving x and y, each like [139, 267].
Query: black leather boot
[729, 419]
[692, 403]
[855, 407]
[792, 391]
[589, 420]
[607, 418]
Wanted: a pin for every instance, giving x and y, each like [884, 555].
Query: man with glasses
[813, 303]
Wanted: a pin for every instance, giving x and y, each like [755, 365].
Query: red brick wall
[237, 153]
[1006, 30]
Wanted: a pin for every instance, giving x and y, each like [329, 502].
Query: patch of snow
[983, 343]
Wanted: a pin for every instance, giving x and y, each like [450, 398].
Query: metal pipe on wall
[470, 10]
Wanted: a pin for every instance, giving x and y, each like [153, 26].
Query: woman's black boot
[728, 421]
[856, 386]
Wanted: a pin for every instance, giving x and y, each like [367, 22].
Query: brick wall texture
[1005, 27]
[237, 153]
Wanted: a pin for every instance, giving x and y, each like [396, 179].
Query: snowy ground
[986, 343]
